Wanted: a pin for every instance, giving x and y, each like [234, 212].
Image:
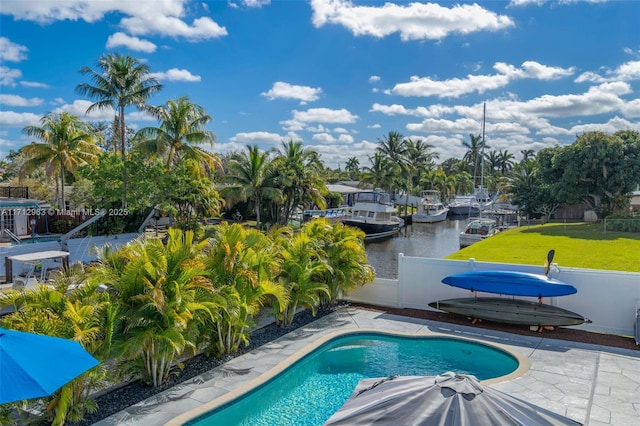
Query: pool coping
[524, 364]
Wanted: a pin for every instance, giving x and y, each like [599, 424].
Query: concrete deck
[594, 385]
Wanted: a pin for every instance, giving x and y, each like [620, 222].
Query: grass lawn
[579, 245]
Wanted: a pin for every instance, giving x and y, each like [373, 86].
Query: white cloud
[340, 130]
[175, 74]
[134, 43]
[256, 3]
[374, 79]
[79, 107]
[12, 52]
[251, 138]
[629, 71]
[19, 101]
[319, 129]
[414, 21]
[345, 138]
[324, 115]
[323, 138]
[282, 90]
[8, 76]
[18, 119]
[374, 126]
[142, 17]
[456, 87]
[34, 84]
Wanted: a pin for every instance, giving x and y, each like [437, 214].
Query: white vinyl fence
[607, 298]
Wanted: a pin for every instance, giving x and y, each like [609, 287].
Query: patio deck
[595, 385]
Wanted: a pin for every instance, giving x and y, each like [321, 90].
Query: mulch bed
[560, 333]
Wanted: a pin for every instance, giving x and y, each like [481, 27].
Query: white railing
[11, 235]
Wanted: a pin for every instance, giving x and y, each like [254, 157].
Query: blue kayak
[510, 283]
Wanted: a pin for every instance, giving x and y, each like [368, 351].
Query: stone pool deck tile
[591, 384]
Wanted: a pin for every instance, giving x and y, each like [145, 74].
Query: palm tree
[162, 295]
[181, 129]
[66, 145]
[380, 173]
[119, 82]
[393, 146]
[352, 167]
[302, 273]
[474, 153]
[342, 248]
[296, 173]
[526, 154]
[505, 161]
[240, 263]
[81, 314]
[251, 178]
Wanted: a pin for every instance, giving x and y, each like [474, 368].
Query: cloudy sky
[336, 74]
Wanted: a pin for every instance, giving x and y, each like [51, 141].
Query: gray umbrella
[449, 399]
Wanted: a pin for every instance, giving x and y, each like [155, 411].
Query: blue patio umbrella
[34, 365]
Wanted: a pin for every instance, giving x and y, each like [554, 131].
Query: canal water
[436, 240]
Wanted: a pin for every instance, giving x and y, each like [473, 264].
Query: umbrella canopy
[449, 399]
[33, 365]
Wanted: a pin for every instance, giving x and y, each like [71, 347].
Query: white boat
[466, 205]
[430, 208]
[478, 229]
[372, 212]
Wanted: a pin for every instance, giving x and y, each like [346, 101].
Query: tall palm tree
[473, 156]
[251, 177]
[527, 154]
[505, 161]
[352, 167]
[297, 175]
[394, 147]
[380, 173]
[66, 144]
[119, 82]
[181, 129]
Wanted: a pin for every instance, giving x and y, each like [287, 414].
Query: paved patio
[595, 385]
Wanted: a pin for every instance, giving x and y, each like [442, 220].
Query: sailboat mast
[484, 115]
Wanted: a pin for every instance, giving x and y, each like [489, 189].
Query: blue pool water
[310, 391]
[36, 240]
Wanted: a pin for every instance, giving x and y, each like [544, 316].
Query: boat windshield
[373, 197]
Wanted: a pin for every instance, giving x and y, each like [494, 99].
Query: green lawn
[580, 245]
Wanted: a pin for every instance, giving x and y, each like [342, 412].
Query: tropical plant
[70, 308]
[250, 178]
[66, 144]
[181, 129]
[162, 295]
[302, 272]
[380, 173]
[296, 175]
[473, 156]
[342, 248]
[240, 262]
[352, 167]
[119, 82]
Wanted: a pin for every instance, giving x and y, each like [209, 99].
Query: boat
[510, 311]
[464, 205]
[373, 213]
[430, 208]
[478, 229]
[510, 283]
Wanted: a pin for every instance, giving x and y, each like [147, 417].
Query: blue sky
[339, 75]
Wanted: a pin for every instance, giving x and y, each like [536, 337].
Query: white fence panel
[607, 298]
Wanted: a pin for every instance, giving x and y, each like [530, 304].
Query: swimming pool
[316, 386]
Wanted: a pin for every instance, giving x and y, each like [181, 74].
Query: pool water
[310, 391]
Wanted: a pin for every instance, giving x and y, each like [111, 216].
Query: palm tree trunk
[123, 154]
[64, 206]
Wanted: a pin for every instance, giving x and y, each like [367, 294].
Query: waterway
[436, 240]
